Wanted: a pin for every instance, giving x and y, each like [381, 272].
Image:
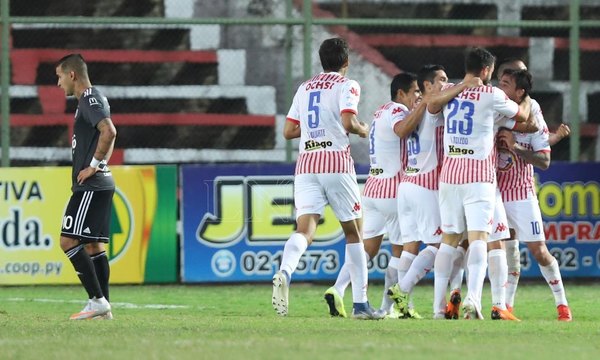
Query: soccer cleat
[453, 306]
[439, 316]
[413, 314]
[501, 314]
[280, 294]
[363, 311]
[564, 313]
[400, 299]
[107, 316]
[335, 302]
[471, 310]
[94, 308]
[509, 308]
[393, 314]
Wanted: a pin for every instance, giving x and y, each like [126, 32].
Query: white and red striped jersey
[385, 152]
[469, 134]
[515, 176]
[317, 108]
[425, 152]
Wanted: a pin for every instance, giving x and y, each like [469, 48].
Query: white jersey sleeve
[350, 97]
[503, 105]
[540, 140]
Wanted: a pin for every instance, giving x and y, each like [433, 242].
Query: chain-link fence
[211, 81]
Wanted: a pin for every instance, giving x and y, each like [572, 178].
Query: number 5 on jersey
[314, 100]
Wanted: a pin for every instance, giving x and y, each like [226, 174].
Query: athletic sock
[292, 252]
[102, 268]
[420, 266]
[477, 266]
[551, 273]
[343, 279]
[355, 256]
[498, 273]
[443, 268]
[406, 260]
[391, 278]
[458, 269]
[85, 271]
[513, 260]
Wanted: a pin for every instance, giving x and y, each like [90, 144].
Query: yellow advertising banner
[33, 201]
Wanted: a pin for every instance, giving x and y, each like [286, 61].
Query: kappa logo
[554, 282]
[396, 111]
[438, 231]
[356, 207]
[500, 228]
[354, 91]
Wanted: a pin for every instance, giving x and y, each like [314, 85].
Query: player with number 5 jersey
[323, 112]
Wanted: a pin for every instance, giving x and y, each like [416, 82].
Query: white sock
[443, 268]
[343, 279]
[477, 266]
[458, 269]
[406, 260]
[513, 260]
[552, 275]
[498, 273]
[355, 253]
[391, 278]
[421, 265]
[292, 252]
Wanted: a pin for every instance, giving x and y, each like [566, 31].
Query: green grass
[237, 322]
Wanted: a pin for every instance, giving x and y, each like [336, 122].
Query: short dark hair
[523, 79]
[402, 81]
[73, 62]
[477, 59]
[427, 73]
[333, 54]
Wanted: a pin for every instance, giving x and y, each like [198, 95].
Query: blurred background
[194, 81]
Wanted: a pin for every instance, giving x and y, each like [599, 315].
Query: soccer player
[513, 255]
[323, 112]
[418, 207]
[86, 223]
[519, 154]
[379, 196]
[468, 179]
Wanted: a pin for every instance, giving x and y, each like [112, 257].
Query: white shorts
[381, 217]
[419, 213]
[526, 218]
[500, 229]
[312, 192]
[467, 207]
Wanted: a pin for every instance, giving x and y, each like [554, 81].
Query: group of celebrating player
[451, 167]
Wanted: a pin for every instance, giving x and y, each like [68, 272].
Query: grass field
[237, 322]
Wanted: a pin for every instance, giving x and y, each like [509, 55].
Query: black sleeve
[95, 108]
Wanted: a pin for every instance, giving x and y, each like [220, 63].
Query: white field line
[123, 305]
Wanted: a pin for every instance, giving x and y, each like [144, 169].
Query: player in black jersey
[85, 226]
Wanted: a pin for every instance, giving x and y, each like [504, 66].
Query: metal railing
[306, 20]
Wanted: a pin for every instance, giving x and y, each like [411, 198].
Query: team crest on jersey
[506, 159]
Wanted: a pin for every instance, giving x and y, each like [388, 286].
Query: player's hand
[563, 131]
[85, 174]
[472, 81]
[505, 139]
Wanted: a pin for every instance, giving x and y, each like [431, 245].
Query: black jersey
[92, 107]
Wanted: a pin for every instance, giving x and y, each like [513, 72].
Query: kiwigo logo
[121, 227]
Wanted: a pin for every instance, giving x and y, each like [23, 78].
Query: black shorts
[87, 217]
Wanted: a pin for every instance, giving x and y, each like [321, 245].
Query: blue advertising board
[236, 219]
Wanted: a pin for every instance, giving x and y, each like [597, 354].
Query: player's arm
[291, 129]
[562, 132]
[353, 126]
[539, 159]
[529, 126]
[405, 127]
[437, 101]
[104, 149]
